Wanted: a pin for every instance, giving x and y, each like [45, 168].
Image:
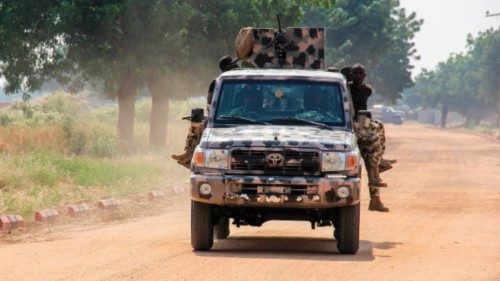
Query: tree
[466, 83]
[28, 44]
[122, 43]
[485, 49]
[393, 72]
[126, 44]
[374, 32]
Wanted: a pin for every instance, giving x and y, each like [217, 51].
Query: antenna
[279, 23]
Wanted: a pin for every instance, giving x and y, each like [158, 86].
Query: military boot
[391, 161]
[192, 140]
[377, 205]
[384, 166]
[373, 177]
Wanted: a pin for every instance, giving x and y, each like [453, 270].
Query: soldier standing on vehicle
[226, 63]
[370, 136]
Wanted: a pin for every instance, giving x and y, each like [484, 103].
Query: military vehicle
[387, 114]
[278, 144]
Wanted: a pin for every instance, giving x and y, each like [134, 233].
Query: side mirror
[197, 115]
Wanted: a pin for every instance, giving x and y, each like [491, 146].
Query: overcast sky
[446, 25]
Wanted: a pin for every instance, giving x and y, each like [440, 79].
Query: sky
[446, 25]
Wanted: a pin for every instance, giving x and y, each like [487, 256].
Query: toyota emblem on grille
[275, 160]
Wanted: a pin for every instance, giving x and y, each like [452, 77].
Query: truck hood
[278, 136]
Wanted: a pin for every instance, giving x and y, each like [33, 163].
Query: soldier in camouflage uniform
[370, 134]
[226, 63]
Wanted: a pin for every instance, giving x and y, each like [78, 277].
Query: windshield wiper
[240, 118]
[302, 121]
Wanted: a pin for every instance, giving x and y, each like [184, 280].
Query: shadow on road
[295, 248]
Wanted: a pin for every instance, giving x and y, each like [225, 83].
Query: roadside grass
[490, 130]
[60, 151]
[42, 179]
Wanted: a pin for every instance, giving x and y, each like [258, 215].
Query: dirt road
[444, 224]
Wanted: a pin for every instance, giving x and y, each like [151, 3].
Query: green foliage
[466, 83]
[142, 110]
[5, 119]
[28, 43]
[102, 145]
[376, 33]
[44, 179]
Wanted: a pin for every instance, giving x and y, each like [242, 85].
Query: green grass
[43, 179]
[59, 150]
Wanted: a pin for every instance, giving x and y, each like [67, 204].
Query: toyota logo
[275, 160]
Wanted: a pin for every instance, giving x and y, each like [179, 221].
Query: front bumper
[275, 191]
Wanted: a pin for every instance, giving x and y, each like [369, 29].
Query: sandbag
[244, 42]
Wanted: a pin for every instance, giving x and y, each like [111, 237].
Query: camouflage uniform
[371, 136]
[370, 146]
[381, 133]
[226, 63]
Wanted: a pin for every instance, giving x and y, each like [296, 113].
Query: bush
[142, 110]
[103, 146]
[5, 119]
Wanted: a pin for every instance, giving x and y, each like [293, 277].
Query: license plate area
[274, 189]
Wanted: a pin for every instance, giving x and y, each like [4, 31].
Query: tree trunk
[444, 115]
[159, 110]
[126, 112]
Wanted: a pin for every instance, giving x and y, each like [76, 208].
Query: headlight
[210, 158]
[332, 161]
[339, 161]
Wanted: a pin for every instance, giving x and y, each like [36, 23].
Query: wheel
[336, 229]
[202, 228]
[348, 230]
[222, 228]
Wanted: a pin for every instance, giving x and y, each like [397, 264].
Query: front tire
[347, 234]
[222, 228]
[202, 228]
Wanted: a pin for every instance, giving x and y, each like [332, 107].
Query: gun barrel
[279, 22]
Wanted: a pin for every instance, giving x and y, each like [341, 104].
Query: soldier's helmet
[227, 63]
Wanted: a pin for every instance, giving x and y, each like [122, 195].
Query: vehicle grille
[295, 162]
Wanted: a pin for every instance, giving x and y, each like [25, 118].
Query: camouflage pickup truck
[279, 144]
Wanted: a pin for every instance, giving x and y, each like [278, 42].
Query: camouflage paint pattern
[226, 190]
[278, 136]
[305, 48]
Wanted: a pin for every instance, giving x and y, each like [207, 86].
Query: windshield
[280, 103]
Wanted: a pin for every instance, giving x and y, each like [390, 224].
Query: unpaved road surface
[444, 224]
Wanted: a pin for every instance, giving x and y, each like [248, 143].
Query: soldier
[226, 63]
[252, 106]
[370, 135]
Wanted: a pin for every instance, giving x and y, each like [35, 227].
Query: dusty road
[444, 224]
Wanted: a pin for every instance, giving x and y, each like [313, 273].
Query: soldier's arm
[369, 90]
[210, 94]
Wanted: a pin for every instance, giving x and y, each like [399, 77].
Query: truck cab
[279, 144]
